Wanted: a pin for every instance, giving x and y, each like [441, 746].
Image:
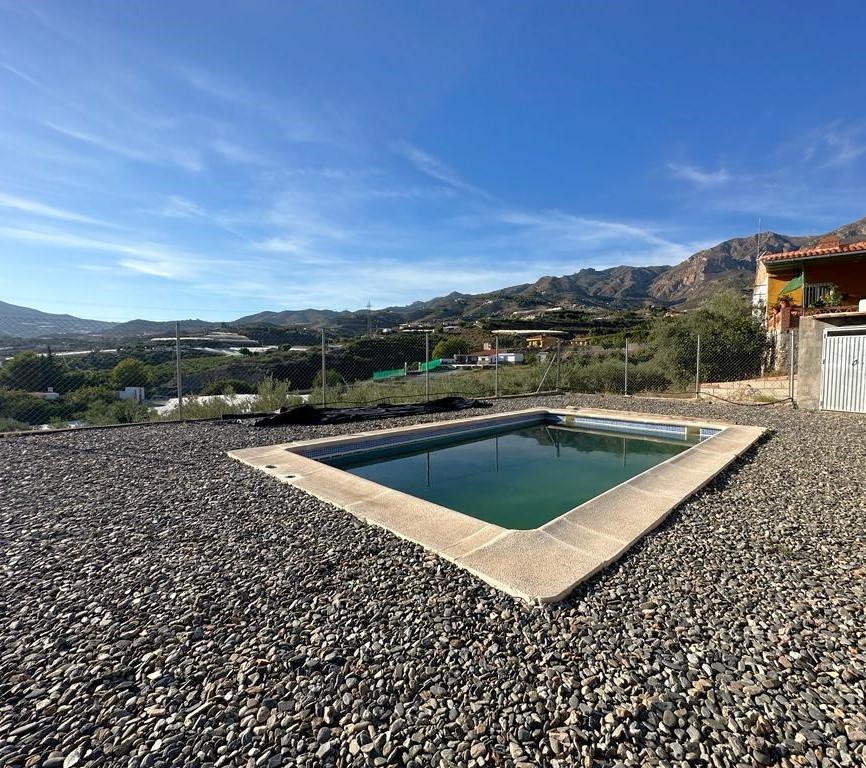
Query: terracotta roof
[818, 250]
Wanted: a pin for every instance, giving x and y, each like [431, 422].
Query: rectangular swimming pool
[538, 538]
[519, 478]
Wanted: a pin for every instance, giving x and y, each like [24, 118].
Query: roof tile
[818, 250]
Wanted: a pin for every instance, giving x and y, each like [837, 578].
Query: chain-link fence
[59, 377]
[751, 370]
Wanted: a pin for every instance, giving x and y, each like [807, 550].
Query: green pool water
[522, 478]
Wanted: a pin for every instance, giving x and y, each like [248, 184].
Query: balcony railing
[789, 317]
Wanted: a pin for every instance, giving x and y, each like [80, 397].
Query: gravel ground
[162, 605]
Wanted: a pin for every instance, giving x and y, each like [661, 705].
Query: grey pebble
[168, 606]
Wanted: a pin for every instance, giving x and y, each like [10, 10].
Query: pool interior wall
[539, 565]
[518, 477]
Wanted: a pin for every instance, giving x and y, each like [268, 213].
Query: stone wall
[763, 390]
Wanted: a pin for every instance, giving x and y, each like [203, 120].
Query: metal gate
[843, 370]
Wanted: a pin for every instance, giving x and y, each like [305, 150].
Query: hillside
[27, 323]
[730, 264]
[160, 327]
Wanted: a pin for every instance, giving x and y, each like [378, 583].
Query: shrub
[118, 412]
[131, 372]
[230, 387]
[12, 425]
[274, 394]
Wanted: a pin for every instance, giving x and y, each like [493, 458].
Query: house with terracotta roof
[816, 298]
[829, 277]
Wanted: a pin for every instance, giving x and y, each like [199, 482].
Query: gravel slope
[162, 605]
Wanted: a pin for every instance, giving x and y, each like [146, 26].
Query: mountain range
[730, 264]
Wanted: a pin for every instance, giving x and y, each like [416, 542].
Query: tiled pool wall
[497, 423]
[675, 431]
[431, 433]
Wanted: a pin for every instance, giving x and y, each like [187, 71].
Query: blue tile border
[370, 443]
[618, 425]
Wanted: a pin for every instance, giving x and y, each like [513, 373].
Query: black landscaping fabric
[311, 414]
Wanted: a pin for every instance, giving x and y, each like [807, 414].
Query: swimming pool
[539, 564]
[518, 477]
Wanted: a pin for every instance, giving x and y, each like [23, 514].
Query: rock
[281, 627]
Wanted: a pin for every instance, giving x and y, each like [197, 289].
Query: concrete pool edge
[572, 548]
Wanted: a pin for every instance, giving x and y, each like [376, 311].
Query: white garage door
[843, 370]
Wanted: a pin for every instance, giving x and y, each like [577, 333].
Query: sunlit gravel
[163, 605]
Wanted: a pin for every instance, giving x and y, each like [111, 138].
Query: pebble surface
[163, 605]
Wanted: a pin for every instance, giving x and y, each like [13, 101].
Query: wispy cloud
[177, 207]
[436, 169]
[298, 123]
[36, 208]
[782, 190]
[237, 153]
[146, 258]
[698, 176]
[148, 151]
[591, 240]
[837, 145]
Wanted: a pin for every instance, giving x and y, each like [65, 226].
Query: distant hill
[27, 323]
[730, 264]
[160, 327]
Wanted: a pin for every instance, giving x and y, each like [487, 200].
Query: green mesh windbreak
[397, 372]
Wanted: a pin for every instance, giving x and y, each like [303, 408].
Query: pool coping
[540, 565]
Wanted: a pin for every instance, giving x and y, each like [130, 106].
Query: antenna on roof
[760, 232]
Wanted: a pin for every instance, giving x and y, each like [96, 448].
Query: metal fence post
[698, 369]
[496, 367]
[177, 371]
[324, 373]
[625, 372]
[558, 363]
[791, 352]
[426, 365]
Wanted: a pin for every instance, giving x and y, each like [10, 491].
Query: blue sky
[217, 158]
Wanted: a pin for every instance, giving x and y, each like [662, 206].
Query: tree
[130, 372]
[118, 412]
[33, 372]
[453, 345]
[332, 378]
[732, 341]
[229, 387]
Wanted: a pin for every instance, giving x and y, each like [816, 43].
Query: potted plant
[833, 297]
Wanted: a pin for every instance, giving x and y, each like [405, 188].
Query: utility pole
[177, 371]
[324, 373]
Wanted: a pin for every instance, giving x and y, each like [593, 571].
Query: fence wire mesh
[69, 376]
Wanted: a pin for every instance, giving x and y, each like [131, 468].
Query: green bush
[33, 372]
[732, 342]
[12, 425]
[131, 372]
[274, 394]
[230, 387]
[197, 409]
[80, 400]
[118, 412]
[647, 377]
[24, 407]
[606, 375]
